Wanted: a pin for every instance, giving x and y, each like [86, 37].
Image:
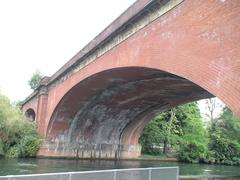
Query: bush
[29, 146]
[13, 152]
[193, 152]
[1, 148]
[225, 139]
[194, 139]
[18, 136]
[225, 151]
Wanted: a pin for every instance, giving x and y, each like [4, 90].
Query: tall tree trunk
[170, 122]
[165, 151]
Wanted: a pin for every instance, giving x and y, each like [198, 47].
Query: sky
[43, 35]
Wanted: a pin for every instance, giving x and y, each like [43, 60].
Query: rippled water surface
[30, 166]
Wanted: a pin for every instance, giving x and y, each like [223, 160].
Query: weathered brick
[194, 48]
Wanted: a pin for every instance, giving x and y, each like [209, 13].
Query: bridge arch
[31, 114]
[196, 45]
[113, 106]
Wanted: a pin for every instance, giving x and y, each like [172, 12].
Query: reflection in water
[30, 166]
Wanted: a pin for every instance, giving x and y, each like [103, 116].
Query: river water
[31, 166]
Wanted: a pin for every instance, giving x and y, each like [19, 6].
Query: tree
[181, 129]
[35, 80]
[225, 139]
[212, 106]
[151, 137]
[18, 136]
[194, 139]
[162, 131]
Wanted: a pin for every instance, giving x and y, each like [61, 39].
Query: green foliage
[13, 152]
[225, 139]
[180, 129]
[194, 141]
[163, 131]
[151, 137]
[1, 148]
[28, 145]
[194, 144]
[18, 136]
[35, 80]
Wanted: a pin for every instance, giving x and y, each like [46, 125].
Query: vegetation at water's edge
[181, 131]
[18, 135]
[224, 135]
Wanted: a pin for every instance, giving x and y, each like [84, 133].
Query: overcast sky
[45, 34]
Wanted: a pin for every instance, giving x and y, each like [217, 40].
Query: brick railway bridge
[158, 54]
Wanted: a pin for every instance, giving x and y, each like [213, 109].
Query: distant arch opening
[30, 113]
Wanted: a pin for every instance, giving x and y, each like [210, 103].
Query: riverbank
[187, 177]
[147, 157]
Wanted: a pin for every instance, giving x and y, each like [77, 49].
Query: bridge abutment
[89, 151]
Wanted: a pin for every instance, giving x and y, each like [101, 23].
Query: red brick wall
[197, 40]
